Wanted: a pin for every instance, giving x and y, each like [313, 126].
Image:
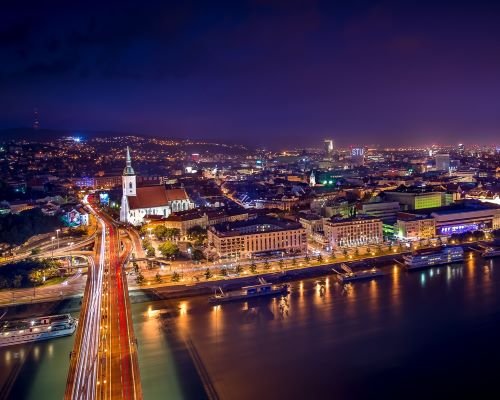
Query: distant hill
[50, 134]
[45, 135]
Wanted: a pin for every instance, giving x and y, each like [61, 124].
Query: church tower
[128, 187]
[128, 177]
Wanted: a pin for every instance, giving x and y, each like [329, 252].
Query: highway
[104, 359]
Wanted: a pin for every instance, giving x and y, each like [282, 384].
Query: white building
[353, 231]
[140, 202]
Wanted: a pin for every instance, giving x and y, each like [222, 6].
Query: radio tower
[36, 122]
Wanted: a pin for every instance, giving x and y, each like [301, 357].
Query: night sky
[260, 72]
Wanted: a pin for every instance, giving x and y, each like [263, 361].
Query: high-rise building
[329, 146]
[36, 121]
[461, 148]
[442, 162]
[358, 156]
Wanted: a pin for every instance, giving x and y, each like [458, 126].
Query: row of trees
[28, 273]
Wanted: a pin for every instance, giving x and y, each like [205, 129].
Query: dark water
[422, 334]
[36, 370]
[425, 335]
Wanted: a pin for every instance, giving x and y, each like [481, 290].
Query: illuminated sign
[449, 230]
[357, 151]
[104, 198]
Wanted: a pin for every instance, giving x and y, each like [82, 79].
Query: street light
[70, 258]
[52, 241]
[57, 235]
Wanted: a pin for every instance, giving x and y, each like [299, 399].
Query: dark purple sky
[261, 72]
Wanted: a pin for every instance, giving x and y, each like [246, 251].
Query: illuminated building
[385, 210]
[411, 226]
[329, 146]
[256, 237]
[358, 156]
[442, 162]
[140, 202]
[353, 231]
[415, 199]
[464, 216]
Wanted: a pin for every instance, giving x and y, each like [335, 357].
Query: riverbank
[208, 287]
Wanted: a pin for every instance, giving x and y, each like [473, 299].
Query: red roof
[155, 196]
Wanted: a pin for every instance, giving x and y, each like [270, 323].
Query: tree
[208, 274]
[197, 234]
[223, 271]
[176, 277]
[307, 259]
[356, 252]
[17, 282]
[238, 269]
[389, 248]
[345, 253]
[253, 267]
[294, 261]
[168, 249]
[197, 255]
[139, 279]
[281, 263]
[136, 267]
[146, 243]
[150, 251]
[266, 264]
[35, 251]
[158, 277]
[173, 233]
[160, 231]
[332, 256]
[319, 258]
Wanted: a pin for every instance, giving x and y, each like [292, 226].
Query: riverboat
[36, 329]
[249, 292]
[429, 258]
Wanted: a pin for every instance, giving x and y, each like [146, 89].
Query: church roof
[155, 196]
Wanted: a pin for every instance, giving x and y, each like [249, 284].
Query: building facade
[260, 236]
[415, 227]
[140, 202]
[353, 231]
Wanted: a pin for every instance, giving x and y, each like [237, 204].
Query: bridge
[104, 362]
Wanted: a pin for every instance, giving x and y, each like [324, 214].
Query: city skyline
[256, 73]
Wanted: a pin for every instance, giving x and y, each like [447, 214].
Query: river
[425, 334]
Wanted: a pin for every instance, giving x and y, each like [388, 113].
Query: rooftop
[256, 225]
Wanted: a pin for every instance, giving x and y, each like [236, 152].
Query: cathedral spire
[128, 167]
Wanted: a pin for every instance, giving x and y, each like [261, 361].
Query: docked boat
[490, 252]
[429, 258]
[36, 329]
[348, 275]
[248, 292]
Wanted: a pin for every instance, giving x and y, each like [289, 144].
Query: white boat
[429, 258]
[490, 252]
[247, 292]
[350, 276]
[36, 329]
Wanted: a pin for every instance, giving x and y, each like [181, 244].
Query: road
[104, 360]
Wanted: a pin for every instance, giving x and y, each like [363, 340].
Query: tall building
[329, 146]
[36, 121]
[442, 162]
[139, 203]
[358, 156]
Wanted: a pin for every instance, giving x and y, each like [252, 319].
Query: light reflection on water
[323, 329]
